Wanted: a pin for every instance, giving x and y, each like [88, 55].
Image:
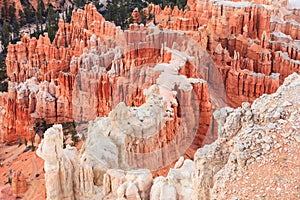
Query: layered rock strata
[252, 141]
[87, 79]
[126, 139]
[253, 58]
[253, 43]
[249, 138]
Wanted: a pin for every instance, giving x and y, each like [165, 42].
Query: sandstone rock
[126, 136]
[228, 29]
[136, 16]
[247, 143]
[92, 66]
[6, 193]
[19, 184]
[129, 185]
[60, 174]
[177, 185]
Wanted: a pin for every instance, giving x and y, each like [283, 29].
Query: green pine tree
[52, 22]
[5, 34]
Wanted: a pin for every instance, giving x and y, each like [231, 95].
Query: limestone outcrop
[83, 80]
[252, 138]
[19, 184]
[135, 184]
[127, 139]
[254, 59]
[59, 162]
[251, 42]
[177, 184]
[147, 95]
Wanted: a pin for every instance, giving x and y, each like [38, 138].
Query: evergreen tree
[29, 14]
[5, 34]
[16, 30]
[119, 12]
[2, 65]
[52, 22]
[22, 18]
[69, 13]
[40, 11]
[12, 13]
[4, 10]
[79, 3]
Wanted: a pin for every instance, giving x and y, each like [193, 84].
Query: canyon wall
[149, 93]
[243, 161]
[249, 138]
[252, 43]
[252, 60]
[127, 139]
[85, 73]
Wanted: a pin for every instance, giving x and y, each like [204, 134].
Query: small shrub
[32, 147]
[8, 181]
[19, 140]
[25, 142]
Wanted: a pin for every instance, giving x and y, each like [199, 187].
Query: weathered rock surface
[6, 193]
[249, 41]
[126, 139]
[19, 184]
[177, 184]
[59, 166]
[252, 59]
[92, 66]
[245, 159]
[249, 138]
[84, 80]
[135, 184]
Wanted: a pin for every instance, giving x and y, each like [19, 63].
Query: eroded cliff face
[148, 94]
[252, 43]
[250, 138]
[91, 66]
[247, 42]
[127, 139]
[254, 143]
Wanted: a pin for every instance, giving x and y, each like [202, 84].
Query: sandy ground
[14, 158]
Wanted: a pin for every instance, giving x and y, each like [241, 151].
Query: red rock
[19, 184]
[245, 55]
[6, 193]
[136, 17]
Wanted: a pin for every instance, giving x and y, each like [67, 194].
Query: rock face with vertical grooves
[251, 45]
[148, 94]
[252, 141]
[85, 73]
[249, 138]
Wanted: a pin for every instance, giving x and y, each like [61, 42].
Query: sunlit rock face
[251, 60]
[249, 138]
[85, 74]
[242, 46]
[147, 95]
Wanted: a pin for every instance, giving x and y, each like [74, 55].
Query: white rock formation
[71, 175]
[59, 165]
[135, 184]
[127, 126]
[249, 136]
[177, 185]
